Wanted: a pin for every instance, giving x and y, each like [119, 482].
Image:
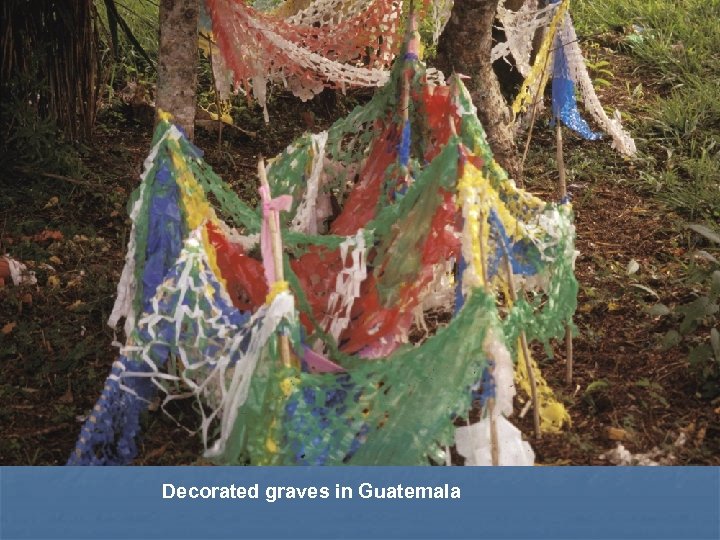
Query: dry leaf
[8, 328]
[77, 304]
[48, 235]
[53, 282]
[67, 397]
[52, 202]
[4, 268]
[617, 434]
[55, 260]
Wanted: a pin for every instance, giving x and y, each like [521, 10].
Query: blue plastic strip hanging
[459, 297]
[164, 231]
[518, 252]
[564, 104]
[404, 146]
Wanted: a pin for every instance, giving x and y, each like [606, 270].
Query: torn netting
[189, 336]
[394, 411]
[259, 47]
[416, 195]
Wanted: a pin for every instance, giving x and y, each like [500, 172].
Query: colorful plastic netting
[559, 58]
[425, 216]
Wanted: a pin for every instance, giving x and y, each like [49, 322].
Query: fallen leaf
[48, 235]
[646, 289]
[659, 310]
[52, 202]
[53, 282]
[4, 268]
[74, 282]
[616, 434]
[77, 304]
[27, 299]
[67, 397]
[55, 260]
[632, 267]
[8, 328]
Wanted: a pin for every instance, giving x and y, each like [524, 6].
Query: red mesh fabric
[257, 44]
[361, 204]
[377, 326]
[244, 276]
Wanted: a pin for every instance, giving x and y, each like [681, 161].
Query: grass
[675, 45]
[675, 50]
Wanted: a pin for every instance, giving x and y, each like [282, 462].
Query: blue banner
[360, 502]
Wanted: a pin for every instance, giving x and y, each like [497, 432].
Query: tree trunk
[177, 63]
[465, 47]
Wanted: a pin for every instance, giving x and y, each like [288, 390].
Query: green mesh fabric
[400, 407]
[394, 411]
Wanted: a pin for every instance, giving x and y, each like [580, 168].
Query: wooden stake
[521, 180]
[568, 355]
[560, 158]
[217, 94]
[494, 444]
[563, 196]
[276, 243]
[525, 352]
[537, 99]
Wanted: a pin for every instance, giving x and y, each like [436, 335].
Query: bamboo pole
[560, 158]
[494, 443]
[525, 351]
[533, 117]
[276, 243]
[563, 196]
[218, 103]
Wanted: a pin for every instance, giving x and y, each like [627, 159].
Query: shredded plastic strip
[410, 206]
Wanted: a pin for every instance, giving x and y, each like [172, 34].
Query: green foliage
[698, 320]
[686, 123]
[674, 39]
[675, 44]
[32, 140]
[598, 68]
[597, 394]
[128, 42]
[136, 36]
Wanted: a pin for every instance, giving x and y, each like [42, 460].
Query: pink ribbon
[271, 210]
[317, 363]
[413, 46]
